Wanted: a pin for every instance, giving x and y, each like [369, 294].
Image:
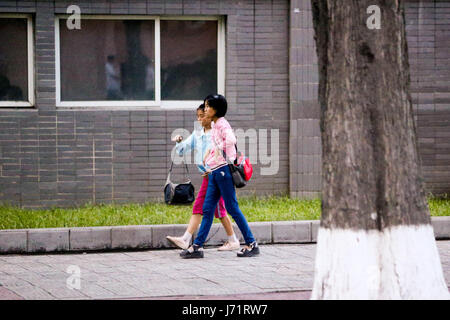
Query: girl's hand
[177, 138]
[206, 173]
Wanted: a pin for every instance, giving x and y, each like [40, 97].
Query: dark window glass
[188, 59]
[107, 60]
[13, 59]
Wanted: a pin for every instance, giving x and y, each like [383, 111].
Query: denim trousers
[221, 184]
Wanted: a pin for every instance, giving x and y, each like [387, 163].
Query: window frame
[156, 104]
[30, 60]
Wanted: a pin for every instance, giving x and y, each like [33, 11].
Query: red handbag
[247, 167]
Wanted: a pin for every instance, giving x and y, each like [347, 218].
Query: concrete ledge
[131, 237]
[13, 241]
[154, 236]
[441, 226]
[315, 224]
[159, 233]
[291, 232]
[94, 238]
[262, 231]
[48, 240]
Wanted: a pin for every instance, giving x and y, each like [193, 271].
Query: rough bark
[375, 240]
[371, 172]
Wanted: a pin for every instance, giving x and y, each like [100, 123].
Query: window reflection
[107, 60]
[114, 60]
[13, 59]
[188, 59]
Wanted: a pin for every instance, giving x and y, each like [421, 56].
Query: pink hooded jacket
[223, 138]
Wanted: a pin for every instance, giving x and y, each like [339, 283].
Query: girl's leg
[209, 206]
[184, 241]
[232, 243]
[226, 222]
[228, 192]
[198, 203]
[221, 213]
[198, 207]
[194, 222]
[221, 210]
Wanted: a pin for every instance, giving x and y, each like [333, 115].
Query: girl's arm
[230, 143]
[207, 169]
[186, 146]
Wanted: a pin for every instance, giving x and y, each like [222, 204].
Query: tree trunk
[375, 239]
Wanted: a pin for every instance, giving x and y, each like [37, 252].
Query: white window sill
[130, 105]
[15, 104]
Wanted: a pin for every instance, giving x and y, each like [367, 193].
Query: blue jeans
[221, 184]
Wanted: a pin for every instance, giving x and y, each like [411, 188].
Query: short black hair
[209, 96]
[218, 103]
[201, 107]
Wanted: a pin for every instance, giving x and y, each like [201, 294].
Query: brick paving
[280, 272]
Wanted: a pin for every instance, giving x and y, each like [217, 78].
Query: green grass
[439, 206]
[274, 208]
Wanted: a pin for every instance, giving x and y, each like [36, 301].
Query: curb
[154, 236]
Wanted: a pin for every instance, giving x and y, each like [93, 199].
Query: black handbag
[237, 171]
[238, 175]
[179, 193]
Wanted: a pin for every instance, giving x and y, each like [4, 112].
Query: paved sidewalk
[280, 272]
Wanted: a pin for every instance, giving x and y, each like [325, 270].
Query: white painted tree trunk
[401, 262]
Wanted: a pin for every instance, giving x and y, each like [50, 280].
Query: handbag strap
[171, 167]
[225, 154]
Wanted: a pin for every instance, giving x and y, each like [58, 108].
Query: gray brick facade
[305, 145]
[428, 32]
[64, 157]
[428, 36]
[55, 157]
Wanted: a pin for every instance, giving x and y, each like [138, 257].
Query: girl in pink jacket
[220, 181]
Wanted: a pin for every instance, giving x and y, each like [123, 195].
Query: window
[16, 61]
[107, 60]
[132, 61]
[188, 59]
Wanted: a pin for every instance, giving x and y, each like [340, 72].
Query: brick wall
[428, 36]
[53, 157]
[428, 33]
[305, 158]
